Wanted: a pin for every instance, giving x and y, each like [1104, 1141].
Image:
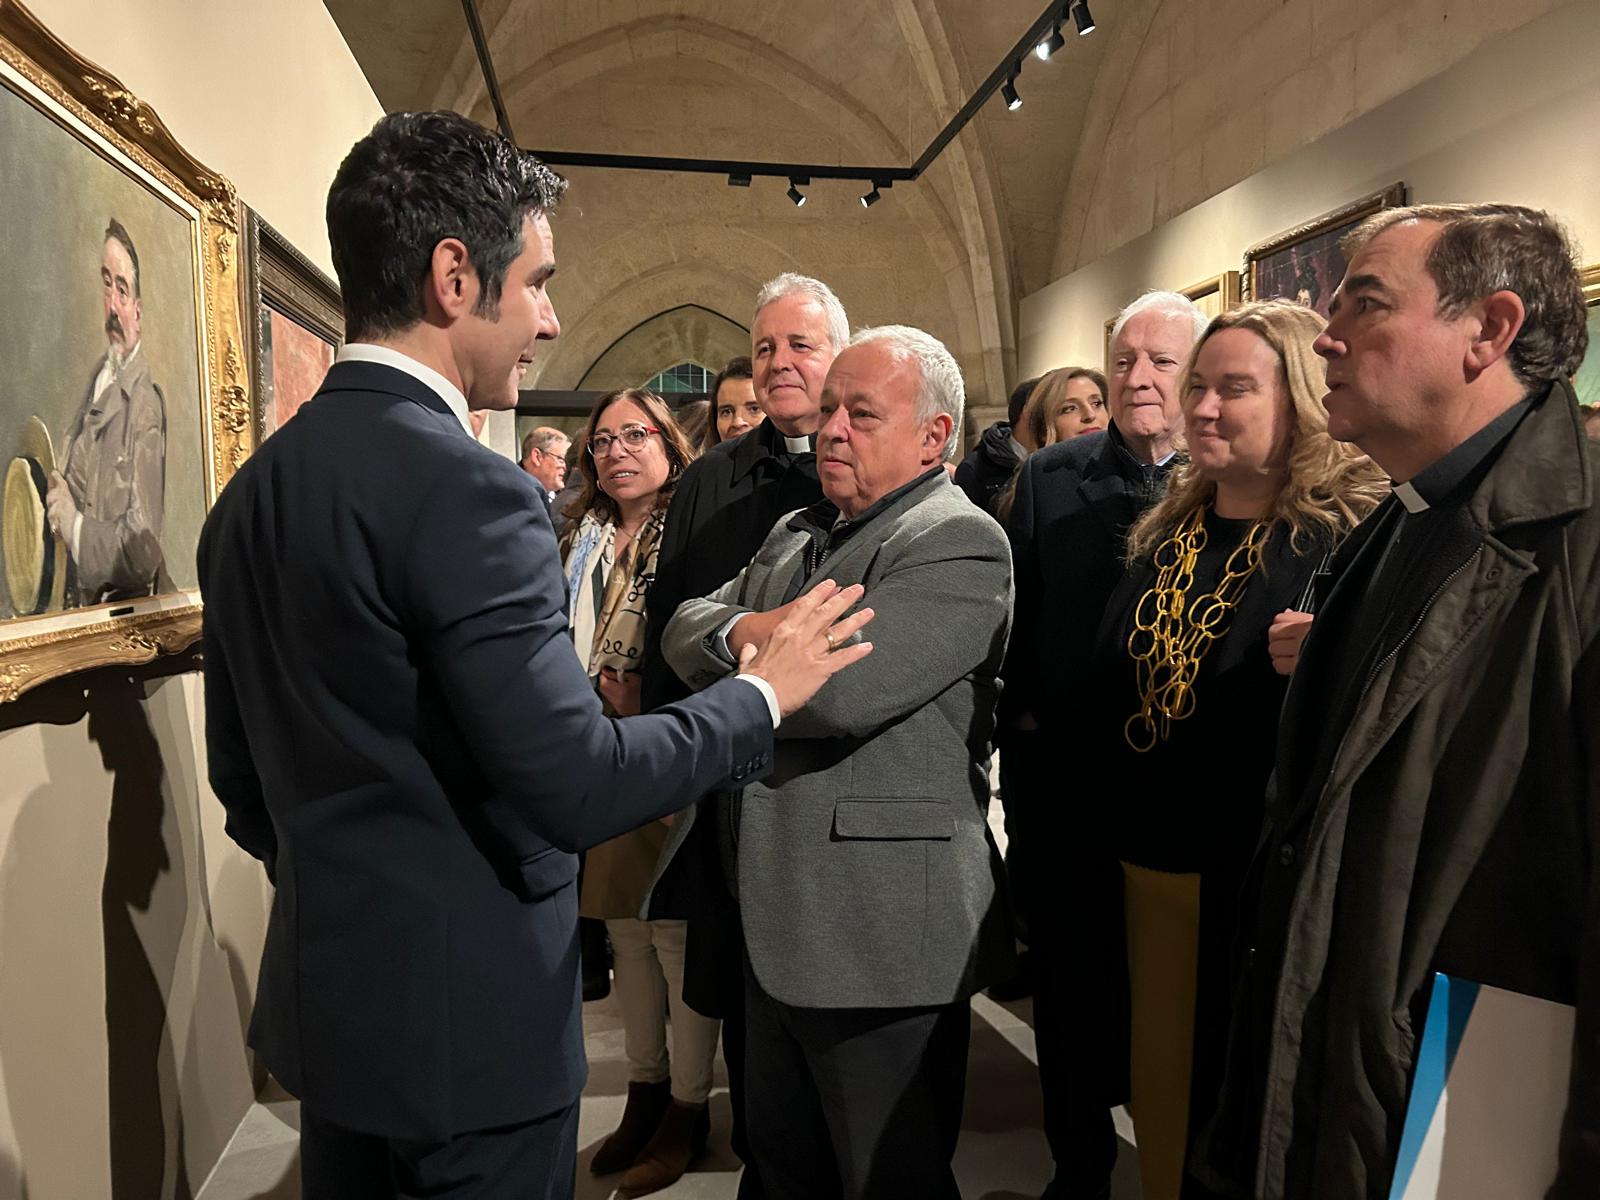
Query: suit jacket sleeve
[487, 606]
[941, 611]
[232, 768]
[1021, 668]
[686, 643]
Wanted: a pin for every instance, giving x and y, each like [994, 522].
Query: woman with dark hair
[734, 410]
[1185, 696]
[636, 456]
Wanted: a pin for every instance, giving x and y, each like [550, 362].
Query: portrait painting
[1305, 264]
[124, 381]
[298, 323]
[1587, 381]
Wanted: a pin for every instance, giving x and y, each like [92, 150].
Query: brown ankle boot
[640, 1118]
[679, 1141]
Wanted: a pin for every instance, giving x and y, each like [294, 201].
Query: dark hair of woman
[679, 453]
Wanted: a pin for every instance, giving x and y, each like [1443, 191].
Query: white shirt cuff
[767, 694]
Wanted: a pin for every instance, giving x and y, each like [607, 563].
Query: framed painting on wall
[1213, 297]
[296, 323]
[1587, 381]
[127, 398]
[1305, 263]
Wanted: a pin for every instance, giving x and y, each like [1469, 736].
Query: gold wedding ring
[829, 637]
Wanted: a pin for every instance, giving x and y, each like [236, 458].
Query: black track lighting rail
[741, 171]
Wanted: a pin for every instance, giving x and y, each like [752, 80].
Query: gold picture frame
[94, 148]
[294, 320]
[1305, 262]
[1214, 296]
[1586, 382]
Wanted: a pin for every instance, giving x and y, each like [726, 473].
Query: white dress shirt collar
[447, 391]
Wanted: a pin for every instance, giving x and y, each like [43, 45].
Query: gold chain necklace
[1168, 642]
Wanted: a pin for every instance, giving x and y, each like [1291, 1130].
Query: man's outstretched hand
[798, 656]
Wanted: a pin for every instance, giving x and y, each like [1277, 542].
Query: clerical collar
[1440, 481]
[796, 445]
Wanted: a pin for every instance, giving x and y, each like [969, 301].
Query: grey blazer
[865, 871]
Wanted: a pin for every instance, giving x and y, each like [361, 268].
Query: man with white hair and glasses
[868, 884]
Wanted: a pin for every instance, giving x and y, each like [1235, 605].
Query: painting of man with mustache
[106, 502]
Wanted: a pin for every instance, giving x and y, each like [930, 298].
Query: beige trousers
[647, 965]
[1163, 915]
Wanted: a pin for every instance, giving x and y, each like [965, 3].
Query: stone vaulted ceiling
[810, 80]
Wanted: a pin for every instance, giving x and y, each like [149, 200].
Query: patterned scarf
[607, 596]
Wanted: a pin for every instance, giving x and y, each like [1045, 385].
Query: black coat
[984, 473]
[722, 511]
[400, 731]
[1074, 503]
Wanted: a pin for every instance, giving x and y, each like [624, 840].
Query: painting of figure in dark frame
[1305, 264]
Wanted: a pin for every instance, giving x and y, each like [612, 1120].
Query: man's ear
[1497, 319]
[451, 289]
[938, 434]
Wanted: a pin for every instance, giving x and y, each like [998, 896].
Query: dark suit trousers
[858, 1103]
[536, 1160]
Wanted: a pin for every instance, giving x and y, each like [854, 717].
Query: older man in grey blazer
[868, 884]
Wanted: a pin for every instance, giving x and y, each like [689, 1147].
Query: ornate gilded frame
[1224, 286]
[1390, 197]
[1591, 287]
[137, 632]
[276, 275]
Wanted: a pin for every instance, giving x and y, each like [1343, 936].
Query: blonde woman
[636, 456]
[1189, 697]
[1066, 403]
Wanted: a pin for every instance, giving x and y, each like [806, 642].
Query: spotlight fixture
[1051, 44]
[1080, 16]
[1008, 91]
[795, 194]
[879, 186]
[737, 180]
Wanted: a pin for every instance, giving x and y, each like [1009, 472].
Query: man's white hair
[1173, 304]
[939, 388]
[790, 284]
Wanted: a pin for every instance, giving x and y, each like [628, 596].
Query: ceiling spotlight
[1009, 91]
[1080, 15]
[871, 197]
[795, 194]
[1051, 44]
[737, 180]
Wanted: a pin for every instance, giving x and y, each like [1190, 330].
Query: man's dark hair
[116, 231]
[415, 180]
[1488, 248]
[1019, 397]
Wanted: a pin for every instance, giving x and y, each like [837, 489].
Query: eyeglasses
[632, 437]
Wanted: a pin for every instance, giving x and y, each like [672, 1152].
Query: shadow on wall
[46, 917]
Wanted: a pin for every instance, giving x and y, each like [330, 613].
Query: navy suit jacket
[400, 731]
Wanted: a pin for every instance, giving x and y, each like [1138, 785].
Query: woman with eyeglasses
[636, 455]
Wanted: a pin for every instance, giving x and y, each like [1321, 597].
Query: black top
[1194, 801]
[984, 473]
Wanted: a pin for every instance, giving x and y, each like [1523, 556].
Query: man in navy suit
[396, 722]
